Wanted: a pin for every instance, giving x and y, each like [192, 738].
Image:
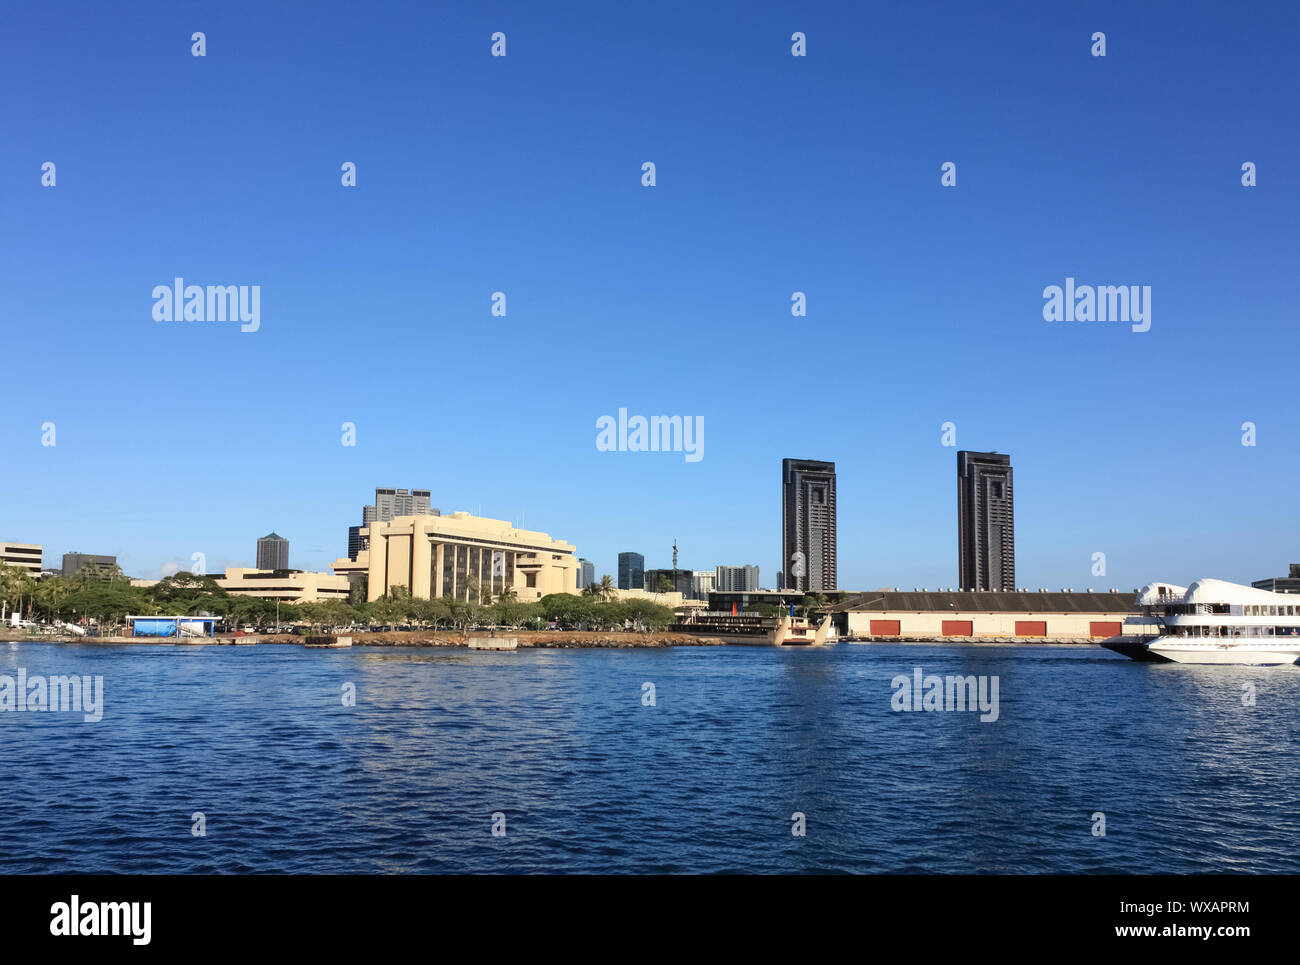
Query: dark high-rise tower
[986, 530]
[808, 524]
[631, 571]
[272, 552]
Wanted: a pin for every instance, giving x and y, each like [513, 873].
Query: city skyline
[941, 286]
[972, 466]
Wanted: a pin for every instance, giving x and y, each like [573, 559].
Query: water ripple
[559, 745]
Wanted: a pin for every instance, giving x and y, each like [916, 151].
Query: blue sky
[775, 174]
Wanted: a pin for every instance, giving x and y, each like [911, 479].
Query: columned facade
[465, 557]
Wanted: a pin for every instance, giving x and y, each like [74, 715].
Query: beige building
[674, 600]
[436, 556]
[25, 556]
[988, 615]
[288, 586]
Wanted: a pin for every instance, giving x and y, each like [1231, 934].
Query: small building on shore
[176, 626]
[1045, 616]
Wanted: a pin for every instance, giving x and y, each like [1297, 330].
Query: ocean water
[561, 745]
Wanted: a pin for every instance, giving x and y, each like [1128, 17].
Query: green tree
[567, 610]
[647, 615]
[431, 612]
[51, 592]
[184, 591]
[16, 586]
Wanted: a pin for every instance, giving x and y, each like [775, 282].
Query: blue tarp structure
[172, 626]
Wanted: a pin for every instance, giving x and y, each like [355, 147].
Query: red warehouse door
[1031, 628]
[1101, 628]
[885, 628]
[958, 628]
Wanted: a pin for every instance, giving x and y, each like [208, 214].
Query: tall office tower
[808, 524]
[391, 503]
[631, 571]
[586, 573]
[986, 530]
[736, 579]
[272, 552]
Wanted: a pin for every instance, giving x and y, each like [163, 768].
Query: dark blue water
[590, 780]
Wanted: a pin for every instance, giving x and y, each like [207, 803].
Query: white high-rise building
[736, 579]
[702, 583]
[391, 503]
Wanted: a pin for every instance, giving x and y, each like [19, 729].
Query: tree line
[107, 597]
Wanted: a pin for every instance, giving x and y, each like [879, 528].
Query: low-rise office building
[288, 586]
[1281, 584]
[673, 600]
[987, 615]
[99, 567]
[678, 581]
[460, 555]
[24, 556]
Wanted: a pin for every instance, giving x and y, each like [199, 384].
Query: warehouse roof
[1063, 601]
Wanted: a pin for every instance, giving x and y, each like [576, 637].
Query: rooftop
[991, 601]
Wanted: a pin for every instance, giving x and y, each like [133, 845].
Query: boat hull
[1250, 656]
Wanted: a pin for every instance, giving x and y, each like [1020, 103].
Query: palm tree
[49, 592]
[606, 587]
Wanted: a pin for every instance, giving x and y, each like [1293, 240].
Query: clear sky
[775, 174]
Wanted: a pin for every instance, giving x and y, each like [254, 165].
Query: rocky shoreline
[544, 640]
[551, 639]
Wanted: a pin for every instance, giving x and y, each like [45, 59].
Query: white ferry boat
[1213, 621]
[786, 630]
